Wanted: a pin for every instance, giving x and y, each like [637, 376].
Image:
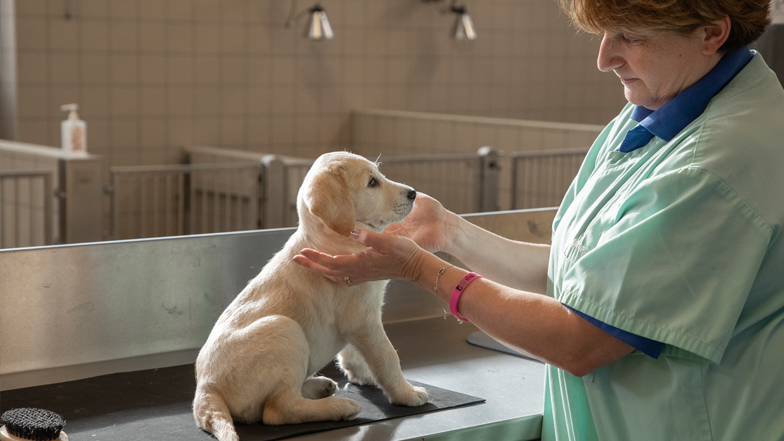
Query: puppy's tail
[212, 414]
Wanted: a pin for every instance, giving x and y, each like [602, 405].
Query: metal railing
[463, 183]
[281, 179]
[170, 200]
[231, 190]
[541, 178]
[26, 213]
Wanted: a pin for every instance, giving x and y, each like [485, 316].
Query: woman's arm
[512, 263]
[532, 323]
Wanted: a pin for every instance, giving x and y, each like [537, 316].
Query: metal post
[273, 191]
[486, 186]
[47, 209]
[17, 212]
[80, 193]
[513, 204]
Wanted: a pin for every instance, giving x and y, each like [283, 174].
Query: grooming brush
[32, 424]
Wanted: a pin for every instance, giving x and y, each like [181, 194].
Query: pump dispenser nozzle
[73, 107]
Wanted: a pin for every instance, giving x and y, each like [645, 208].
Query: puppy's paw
[316, 388]
[346, 409]
[412, 396]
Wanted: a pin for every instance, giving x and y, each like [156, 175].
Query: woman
[663, 308]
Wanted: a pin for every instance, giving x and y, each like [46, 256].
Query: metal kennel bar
[150, 201]
[463, 183]
[541, 178]
[25, 208]
[282, 177]
[170, 200]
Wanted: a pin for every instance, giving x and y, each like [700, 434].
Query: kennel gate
[149, 201]
[170, 200]
[26, 213]
[463, 183]
[541, 178]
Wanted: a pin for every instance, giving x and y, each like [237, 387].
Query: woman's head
[748, 18]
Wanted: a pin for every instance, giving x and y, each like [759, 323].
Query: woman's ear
[328, 199]
[715, 35]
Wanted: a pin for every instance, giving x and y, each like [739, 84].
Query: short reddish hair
[749, 18]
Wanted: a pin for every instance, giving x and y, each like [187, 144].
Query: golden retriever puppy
[259, 361]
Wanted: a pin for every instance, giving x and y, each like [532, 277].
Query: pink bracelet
[458, 291]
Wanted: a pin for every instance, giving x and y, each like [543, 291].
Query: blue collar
[673, 116]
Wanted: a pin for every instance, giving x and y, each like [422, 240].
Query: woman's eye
[372, 182]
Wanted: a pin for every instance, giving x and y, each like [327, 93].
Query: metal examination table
[73, 315]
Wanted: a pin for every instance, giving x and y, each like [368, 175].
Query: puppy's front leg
[374, 346]
[354, 366]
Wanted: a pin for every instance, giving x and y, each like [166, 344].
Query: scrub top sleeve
[647, 346]
[675, 263]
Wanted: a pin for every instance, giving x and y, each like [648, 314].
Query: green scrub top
[680, 242]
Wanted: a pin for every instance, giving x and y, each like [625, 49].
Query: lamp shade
[464, 27]
[319, 24]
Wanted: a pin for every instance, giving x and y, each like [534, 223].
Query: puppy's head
[346, 191]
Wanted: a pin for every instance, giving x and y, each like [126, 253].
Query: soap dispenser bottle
[73, 131]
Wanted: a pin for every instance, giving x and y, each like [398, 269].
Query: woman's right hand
[429, 224]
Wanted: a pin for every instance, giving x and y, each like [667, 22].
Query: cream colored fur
[259, 361]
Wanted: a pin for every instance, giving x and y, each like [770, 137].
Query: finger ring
[347, 279]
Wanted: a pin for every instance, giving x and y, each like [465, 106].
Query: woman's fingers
[387, 257]
[371, 239]
[325, 262]
[310, 258]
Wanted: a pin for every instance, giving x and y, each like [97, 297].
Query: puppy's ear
[330, 201]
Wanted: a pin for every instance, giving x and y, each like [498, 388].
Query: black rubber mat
[156, 405]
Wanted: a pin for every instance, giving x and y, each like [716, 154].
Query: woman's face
[654, 66]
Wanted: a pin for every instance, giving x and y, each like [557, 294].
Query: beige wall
[153, 75]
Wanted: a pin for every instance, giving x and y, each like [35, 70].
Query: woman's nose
[609, 58]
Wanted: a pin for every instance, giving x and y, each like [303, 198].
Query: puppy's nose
[411, 194]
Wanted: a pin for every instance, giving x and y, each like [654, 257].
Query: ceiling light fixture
[464, 26]
[319, 28]
[319, 24]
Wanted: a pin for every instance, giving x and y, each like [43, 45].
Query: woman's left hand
[388, 257]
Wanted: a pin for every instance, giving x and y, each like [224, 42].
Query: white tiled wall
[154, 75]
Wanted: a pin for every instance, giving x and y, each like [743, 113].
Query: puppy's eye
[372, 182]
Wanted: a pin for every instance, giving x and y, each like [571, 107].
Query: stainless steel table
[82, 312]
[434, 351]
[155, 404]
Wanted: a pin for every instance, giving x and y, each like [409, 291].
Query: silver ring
[347, 280]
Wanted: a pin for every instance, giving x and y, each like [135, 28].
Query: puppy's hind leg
[284, 404]
[291, 408]
[315, 388]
